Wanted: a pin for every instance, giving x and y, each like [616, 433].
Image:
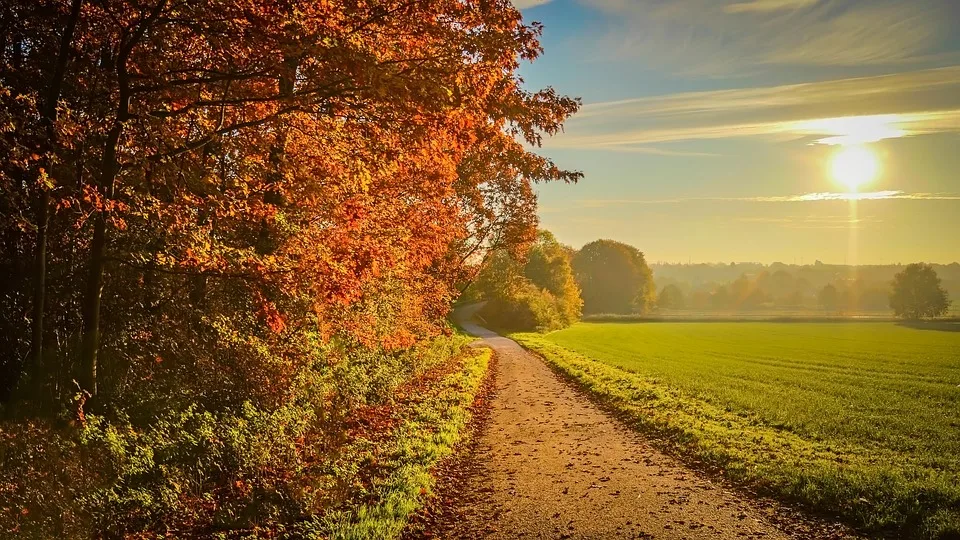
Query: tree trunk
[49, 118]
[40, 280]
[90, 346]
[272, 194]
[109, 167]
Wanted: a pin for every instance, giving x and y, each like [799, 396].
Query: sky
[756, 130]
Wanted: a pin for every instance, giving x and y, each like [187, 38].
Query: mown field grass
[862, 419]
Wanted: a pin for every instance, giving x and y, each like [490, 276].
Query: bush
[539, 294]
[529, 309]
[195, 470]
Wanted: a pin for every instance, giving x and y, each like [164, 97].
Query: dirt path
[550, 464]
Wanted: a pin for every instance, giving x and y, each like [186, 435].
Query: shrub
[197, 469]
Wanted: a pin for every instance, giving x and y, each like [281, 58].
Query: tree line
[915, 292]
[551, 286]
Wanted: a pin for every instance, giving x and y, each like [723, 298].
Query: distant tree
[794, 299]
[720, 299]
[917, 293]
[829, 298]
[754, 300]
[781, 284]
[802, 285]
[700, 299]
[614, 278]
[671, 297]
[740, 290]
[873, 299]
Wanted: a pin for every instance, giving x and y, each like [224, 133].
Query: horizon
[832, 141]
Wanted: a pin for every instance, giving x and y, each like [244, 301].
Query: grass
[859, 419]
[427, 435]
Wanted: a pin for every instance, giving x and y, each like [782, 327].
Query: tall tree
[538, 293]
[829, 298]
[548, 267]
[614, 278]
[48, 117]
[339, 169]
[916, 293]
[671, 297]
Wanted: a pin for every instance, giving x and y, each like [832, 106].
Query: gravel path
[548, 463]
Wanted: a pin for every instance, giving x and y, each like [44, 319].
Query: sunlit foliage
[247, 217]
[538, 293]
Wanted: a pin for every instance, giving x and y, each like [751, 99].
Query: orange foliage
[330, 166]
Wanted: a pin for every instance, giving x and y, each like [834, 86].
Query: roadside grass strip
[428, 434]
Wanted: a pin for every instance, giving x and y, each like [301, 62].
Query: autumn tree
[916, 293]
[614, 278]
[721, 299]
[340, 155]
[240, 210]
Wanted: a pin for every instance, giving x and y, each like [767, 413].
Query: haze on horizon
[756, 130]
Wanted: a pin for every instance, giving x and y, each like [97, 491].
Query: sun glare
[854, 166]
[857, 130]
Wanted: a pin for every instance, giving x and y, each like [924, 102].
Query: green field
[858, 418]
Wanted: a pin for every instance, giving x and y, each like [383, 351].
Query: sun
[854, 166]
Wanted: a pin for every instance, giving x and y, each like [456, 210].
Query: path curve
[556, 466]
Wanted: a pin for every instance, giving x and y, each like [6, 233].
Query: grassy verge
[431, 427]
[876, 490]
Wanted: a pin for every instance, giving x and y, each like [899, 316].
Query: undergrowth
[428, 434]
[347, 456]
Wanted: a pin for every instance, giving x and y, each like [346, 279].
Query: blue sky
[711, 129]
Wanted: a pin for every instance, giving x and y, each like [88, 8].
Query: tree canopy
[614, 278]
[247, 218]
[829, 298]
[916, 293]
[671, 297]
[539, 293]
[332, 170]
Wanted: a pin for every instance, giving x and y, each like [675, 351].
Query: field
[858, 418]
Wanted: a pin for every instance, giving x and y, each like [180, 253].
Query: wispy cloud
[764, 6]
[814, 222]
[526, 4]
[800, 198]
[716, 35]
[844, 111]
[867, 196]
[655, 151]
